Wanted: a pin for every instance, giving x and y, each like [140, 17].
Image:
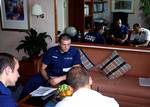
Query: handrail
[112, 47]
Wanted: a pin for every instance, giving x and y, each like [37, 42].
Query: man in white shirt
[140, 36]
[83, 96]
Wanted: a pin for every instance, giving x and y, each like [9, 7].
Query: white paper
[144, 81]
[42, 91]
[66, 69]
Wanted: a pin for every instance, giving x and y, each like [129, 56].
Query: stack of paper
[144, 81]
[42, 91]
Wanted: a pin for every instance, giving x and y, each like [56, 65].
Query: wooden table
[36, 101]
[22, 103]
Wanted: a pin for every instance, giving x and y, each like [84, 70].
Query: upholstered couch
[125, 89]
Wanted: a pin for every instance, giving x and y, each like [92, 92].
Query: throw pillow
[114, 66]
[86, 62]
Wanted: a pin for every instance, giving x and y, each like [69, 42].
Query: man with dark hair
[96, 36]
[56, 62]
[83, 96]
[118, 33]
[140, 36]
[8, 77]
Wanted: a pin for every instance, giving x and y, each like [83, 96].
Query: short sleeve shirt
[5, 97]
[119, 32]
[58, 61]
[85, 97]
[94, 37]
[142, 36]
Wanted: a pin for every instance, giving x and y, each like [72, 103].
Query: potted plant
[34, 43]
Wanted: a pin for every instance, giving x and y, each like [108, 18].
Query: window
[98, 7]
[122, 6]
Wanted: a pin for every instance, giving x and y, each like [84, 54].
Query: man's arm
[56, 80]
[143, 44]
[77, 65]
[125, 38]
[43, 71]
[120, 40]
[52, 80]
[147, 39]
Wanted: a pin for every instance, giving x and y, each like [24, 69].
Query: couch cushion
[86, 62]
[114, 66]
[125, 85]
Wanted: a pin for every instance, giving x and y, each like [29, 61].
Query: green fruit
[65, 87]
[60, 88]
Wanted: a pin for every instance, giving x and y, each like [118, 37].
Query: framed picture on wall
[122, 6]
[98, 7]
[14, 14]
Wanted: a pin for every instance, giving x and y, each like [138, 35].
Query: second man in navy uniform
[96, 36]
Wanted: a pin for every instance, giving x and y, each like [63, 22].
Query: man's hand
[54, 81]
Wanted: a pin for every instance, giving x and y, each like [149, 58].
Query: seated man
[55, 64]
[8, 77]
[83, 96]
[118, 33]
[95, 36]
[140, 36]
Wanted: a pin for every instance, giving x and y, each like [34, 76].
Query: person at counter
[118, 33]
[96, 36]
[140, 36]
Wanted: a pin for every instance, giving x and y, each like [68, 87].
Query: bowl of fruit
[65, 90]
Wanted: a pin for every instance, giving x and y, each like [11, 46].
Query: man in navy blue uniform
[118, 33]
[95, 36]
[8, 77]
[55, 64]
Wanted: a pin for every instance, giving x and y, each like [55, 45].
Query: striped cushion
[114, 66]
[86, 62]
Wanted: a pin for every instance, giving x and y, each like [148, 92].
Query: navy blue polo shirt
[94, 37]
[119, 32]
[58, 61]
[5, 97]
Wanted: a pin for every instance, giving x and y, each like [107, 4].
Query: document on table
[144, 81]
[42, 91]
